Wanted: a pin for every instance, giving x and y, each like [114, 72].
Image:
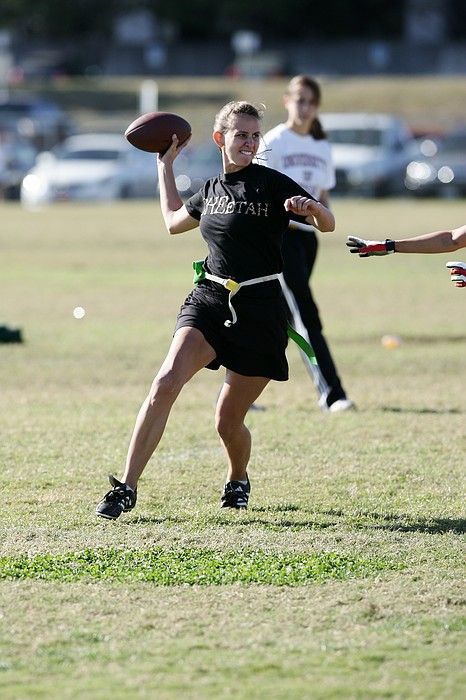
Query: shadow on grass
[420, 411]
[394, 523]
[235, 518]
[364, 520]
[403, 523]
[156, 520]
[277, 508]
[240, 521]
[279, 524]
[434, 526]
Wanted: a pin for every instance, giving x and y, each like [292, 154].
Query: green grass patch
[191, 567]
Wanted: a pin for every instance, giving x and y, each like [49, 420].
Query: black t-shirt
[242, 219]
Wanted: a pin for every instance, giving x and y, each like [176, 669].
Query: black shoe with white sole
[236, 495]
[119, 500]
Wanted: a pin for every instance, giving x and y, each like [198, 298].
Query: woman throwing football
[235, 316]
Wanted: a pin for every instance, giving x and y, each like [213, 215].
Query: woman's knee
[227, 425]
[165, 386]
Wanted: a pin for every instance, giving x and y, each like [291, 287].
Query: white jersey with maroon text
[303, 158]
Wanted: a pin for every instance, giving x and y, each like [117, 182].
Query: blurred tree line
[202, 19]
[205, 19]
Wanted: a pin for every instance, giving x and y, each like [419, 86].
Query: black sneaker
[236, 495]
[119, 500]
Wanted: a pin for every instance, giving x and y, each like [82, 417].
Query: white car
[90, 167]
[195, 165]
[370, 152]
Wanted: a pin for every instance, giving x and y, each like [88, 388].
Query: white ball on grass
[79, 312]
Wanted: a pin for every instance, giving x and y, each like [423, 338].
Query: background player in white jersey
[299, 148]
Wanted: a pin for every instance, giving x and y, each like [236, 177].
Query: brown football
[153, 131]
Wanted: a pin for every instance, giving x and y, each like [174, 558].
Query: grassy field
[344, 579]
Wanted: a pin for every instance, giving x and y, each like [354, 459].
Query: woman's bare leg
[188, 353]
[235, 398]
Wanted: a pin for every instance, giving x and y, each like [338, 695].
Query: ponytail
[317, 130]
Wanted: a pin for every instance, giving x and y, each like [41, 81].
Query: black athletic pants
[299, 254]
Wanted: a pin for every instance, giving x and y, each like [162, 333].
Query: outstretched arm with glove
[434, 242]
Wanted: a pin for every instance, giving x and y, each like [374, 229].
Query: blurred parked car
[17, 156]
[90, 167]
[441, 171]
[41, 121]
[195, 165]
[370, 152]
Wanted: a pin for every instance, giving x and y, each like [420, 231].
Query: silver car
[90, 167]
[195, 165]
[370, 152]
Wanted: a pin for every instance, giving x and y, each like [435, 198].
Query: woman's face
[301, 105]
[240, 142]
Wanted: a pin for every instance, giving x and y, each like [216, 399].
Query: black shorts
[255, 345]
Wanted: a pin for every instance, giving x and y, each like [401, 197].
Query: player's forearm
[435, 242]
[170, 200]
[322, 218]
